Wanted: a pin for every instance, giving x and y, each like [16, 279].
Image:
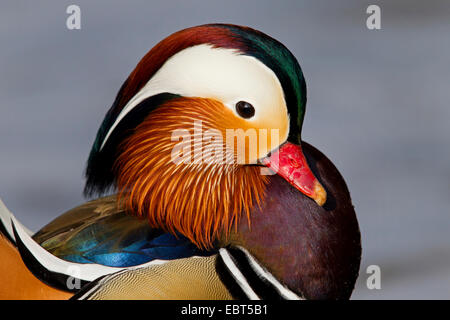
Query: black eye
[245, 109]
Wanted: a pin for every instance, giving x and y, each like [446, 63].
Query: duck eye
[245, 109]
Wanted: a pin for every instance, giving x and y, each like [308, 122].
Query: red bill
[290, 163]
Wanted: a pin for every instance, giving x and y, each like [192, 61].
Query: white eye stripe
[221, 74]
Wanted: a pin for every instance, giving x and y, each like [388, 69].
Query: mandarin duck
[213, 194]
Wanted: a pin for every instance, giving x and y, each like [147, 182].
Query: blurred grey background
[378, 106]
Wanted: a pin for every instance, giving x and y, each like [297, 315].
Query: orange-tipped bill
[290, 163]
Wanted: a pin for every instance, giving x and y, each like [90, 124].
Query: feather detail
[198, 199]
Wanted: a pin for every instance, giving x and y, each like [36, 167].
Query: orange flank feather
[198, 196]
[17, 282]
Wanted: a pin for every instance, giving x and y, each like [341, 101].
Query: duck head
[192, 127]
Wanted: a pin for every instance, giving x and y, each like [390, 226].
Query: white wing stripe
[5, 217]
[87, 272]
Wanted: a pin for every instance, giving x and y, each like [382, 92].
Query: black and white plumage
[300, 239]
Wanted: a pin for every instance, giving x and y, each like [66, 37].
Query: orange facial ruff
[198, 200]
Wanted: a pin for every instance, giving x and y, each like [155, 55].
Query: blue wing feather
[99, 232]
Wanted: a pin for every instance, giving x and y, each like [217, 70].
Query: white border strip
[284, 292]
[238, 276]
[85, 271]
[5, 217]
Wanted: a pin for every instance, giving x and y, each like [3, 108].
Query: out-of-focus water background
[378, 107]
